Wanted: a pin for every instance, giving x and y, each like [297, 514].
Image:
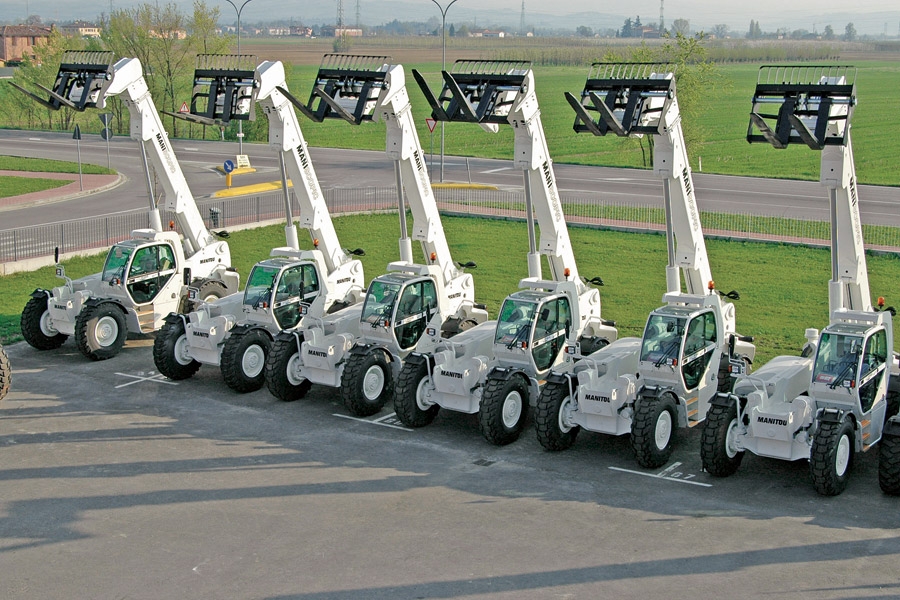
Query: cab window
[417, 304]
[550, 330]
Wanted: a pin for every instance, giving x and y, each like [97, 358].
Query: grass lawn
[44, 165]
[16, 186]
[783, 288]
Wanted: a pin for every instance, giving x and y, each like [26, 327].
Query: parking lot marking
[669, 474]
[158, 378]
[386, 421]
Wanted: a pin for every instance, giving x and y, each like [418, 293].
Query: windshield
[379, 301]
[662, 338]
[116, 261]
[259, 286]
[837, 358]
[514, 322]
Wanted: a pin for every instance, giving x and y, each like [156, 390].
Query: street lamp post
[443, 63]
[237, 10]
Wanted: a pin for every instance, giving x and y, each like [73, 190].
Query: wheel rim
[422, 400]
[106, 331]
[565, 415]
[253, 361]
[842, 455]
[46, 325]
[182, 355]
[373, 382]
[730, 438]
[293, 369]
[512, 409]
[663, 431]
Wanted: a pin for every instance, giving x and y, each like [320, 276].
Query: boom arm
[494, 92]
[815, 104]
[639, 98]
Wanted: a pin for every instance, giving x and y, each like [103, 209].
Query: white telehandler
[236, 332]
[690, 350]
[832, 401]
[496, 369]
[360, 349]
[143, 277]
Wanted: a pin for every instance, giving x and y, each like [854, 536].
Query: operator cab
[851, 363]
[284, 286]
[397, 308]
[533, 321]
[144, 268]
[682, 339]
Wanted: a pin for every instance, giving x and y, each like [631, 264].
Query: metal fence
[95, 233]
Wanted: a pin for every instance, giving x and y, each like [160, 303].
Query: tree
[755, 32]
[720, 30]
[452, 31]
[584, 31]
[627, 29]
[849, 33]
[202, 28]
[681, 27]
[829, 32]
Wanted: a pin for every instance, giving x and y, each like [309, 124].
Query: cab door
[550, 330]
[418, 302]
[872, 369]
[699, 349]
[298, 284]
[152, 267]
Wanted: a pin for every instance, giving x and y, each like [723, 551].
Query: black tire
[831, 457]
[653, 430]
[169, 354]
[367, 383]
[100, 330]
[5, 374]
[504, 407]
[717, 452]
[408, 403]
[589, 345]
[36, 328]
[210, 289]
[279, 370]
[243, 361]
[889, 465]
[553, 432]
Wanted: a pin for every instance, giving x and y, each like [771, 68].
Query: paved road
[117, 484]
[355, 168]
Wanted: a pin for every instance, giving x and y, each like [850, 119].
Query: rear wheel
[832, 456]
[100, 331]
[243, 359]
[553, 417]
[282, 370]
[504, 405]
[5, 374]
[410, 400]
[37, 328]
[889, 465]
[210, 289]
[718, 451]
[652, 430]
[171, 352]
[366, 384]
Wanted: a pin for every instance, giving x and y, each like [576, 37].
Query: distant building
[347, 32]
[301, 31]
[278, 31]
[488, 33]
[174, 34]
[80, 29]
[18, 41]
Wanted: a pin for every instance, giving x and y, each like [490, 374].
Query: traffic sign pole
[77, 137]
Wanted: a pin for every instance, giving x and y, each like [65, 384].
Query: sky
[868, 16]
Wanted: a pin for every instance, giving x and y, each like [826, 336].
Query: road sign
[184, 108]
[228, 166]
[105, 133]
[431, 123]
[105, 118]
[77, 134]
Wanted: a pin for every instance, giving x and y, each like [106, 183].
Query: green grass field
[783, 288]
[45, 165]
[15, 186]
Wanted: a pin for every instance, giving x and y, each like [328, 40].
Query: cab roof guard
[225, 90]
[81, 81]
[625, 98]
[476, 91]
[814, 105]
[347, 87]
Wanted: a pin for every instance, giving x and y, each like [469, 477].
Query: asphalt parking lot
[117, 483]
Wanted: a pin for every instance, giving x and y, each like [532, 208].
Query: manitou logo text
[344, 280]
[318, 353]
[772, 421]
[202, 334]
[162, 143]
[596, 398]
[451, 374]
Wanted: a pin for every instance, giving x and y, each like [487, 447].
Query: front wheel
[283, 368]
[652, 430]
[37, 328]
[243, 359]
[410, 400]
[366, 384]
[171, 353]
[100, 331]
[831, 456]
[718, 451]
[208, 290]
[889, 465]
[553, 417]
[504, 405]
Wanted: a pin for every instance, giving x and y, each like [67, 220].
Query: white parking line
[157, 378]
[662, 475]
[381, 421]
[497, 170]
